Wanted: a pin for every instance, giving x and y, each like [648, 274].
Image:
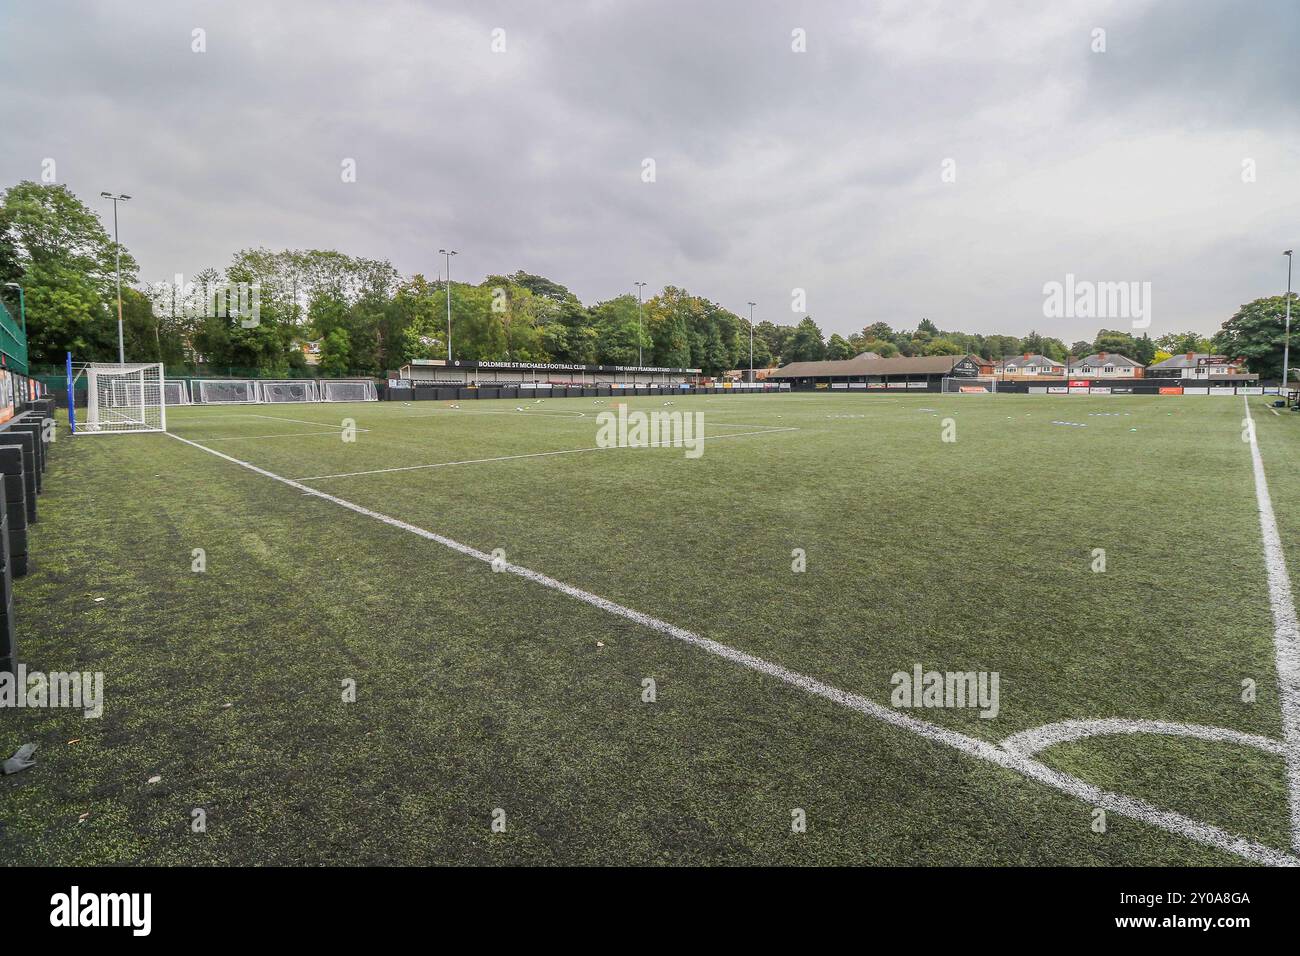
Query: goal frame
[197, 397]
[93, 371]
[372, 394]
[952, 385]
[312, 390]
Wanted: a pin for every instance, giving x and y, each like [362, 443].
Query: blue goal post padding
[72, 398]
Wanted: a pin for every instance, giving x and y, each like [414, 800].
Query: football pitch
[426, 634]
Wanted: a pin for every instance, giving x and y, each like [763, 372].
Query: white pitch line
[281, 435]
[1286, 629]
[296, 421]
[535, 454]
[461, 413]
[1025, 766]
[1031, 741]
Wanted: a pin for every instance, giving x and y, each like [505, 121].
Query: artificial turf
[478, 690]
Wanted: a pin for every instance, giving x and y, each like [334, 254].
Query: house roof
[898, 365]
[1182, 361]
[1108, 358]
[1030, 360]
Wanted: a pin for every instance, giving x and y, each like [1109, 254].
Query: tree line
[365, 318]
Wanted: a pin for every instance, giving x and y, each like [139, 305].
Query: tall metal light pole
[751, 342]
[22, 304]
[448, 253]
[639, 286]
[1286, 342]
[117, 247]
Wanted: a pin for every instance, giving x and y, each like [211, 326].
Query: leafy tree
[1116, 342]
[1054, 349]
[335, 353]
[617, 333]
[943, 346]
[806, 345]
[882, 348]
[1257, 333]
[879, 331]
[68, 272]
[838, 348]
[1176, 343]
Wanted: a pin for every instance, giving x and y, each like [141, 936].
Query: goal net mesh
[225, 391]
[124, 398]
[176, 393]
[970, 386]
[349, 392]
[300, 391]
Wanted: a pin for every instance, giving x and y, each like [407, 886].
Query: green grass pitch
[479, 692]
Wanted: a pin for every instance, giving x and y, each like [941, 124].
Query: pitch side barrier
[434, 391]
[1147, 387]
[26, 441]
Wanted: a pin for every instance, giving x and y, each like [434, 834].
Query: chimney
[1026, 356]
[1191, 355]
[1102, 356]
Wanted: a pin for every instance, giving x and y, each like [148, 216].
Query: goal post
[960, 385]
[123, 398]
[224, 391]
[348, 391]
[176, 392]
[291, 390]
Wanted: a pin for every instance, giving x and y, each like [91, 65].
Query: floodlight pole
[448, 253]
[639, 287]
[1286, 341]
[751, 342]
[117, 249]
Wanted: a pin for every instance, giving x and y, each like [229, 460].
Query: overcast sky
[775, 170]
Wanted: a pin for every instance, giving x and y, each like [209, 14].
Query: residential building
[1106, 365]
[1198, 366]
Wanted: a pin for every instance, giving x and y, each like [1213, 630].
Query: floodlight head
[106, 195]
[124, 196]
[12, 285]
[1287, 253]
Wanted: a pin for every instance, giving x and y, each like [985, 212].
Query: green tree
[335, 353]
[1116, 342]
[617, 333]
[1257, 333]
[68, 272]
[806, 345]
[1176, 343]
[838, 348]
[943, 346]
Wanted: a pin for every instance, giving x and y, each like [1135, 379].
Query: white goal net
[289, 391]
[124, 398]
[349, 392]
[176, 393]
[225, 391]
[970, 386]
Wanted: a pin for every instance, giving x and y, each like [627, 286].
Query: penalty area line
[534, 454]
[1019, 763]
